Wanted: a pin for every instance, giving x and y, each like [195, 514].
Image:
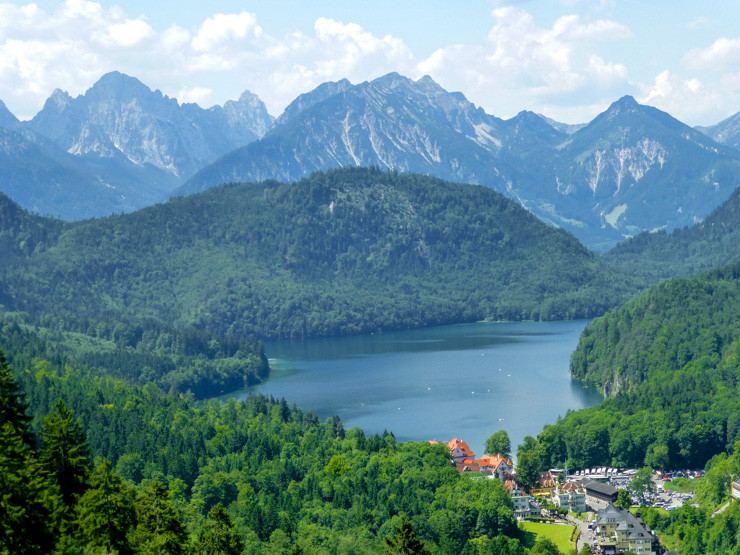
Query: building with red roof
[459, 450]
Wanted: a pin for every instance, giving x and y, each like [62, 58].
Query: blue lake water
[464, 381]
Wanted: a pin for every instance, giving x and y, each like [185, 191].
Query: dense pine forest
[684, 252]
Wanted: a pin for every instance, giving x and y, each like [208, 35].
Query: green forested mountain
[135, 349]
[687, 251]
[670, 360]
[340, 252]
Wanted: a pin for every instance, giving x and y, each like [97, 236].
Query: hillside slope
[342, 252]
[670, 360]
[684, 252]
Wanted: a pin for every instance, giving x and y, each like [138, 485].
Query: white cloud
[604, 71]
[227, 53]
[130, 33]
[523, 65]
[198, 95]
[221, 31]
[564, 69]
[81, 9]
[684, 99]
[723, 53]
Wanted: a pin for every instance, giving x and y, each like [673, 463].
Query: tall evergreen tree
[159, 529]
[105, 512]
[217, 536]
[12, 406]
[404, 540]
[27, 499]
[65, 454]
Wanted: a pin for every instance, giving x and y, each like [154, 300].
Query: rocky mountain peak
[119, 85]
[392, 80]
[7, 119]
[625, 105]
[309, 99]
[59, 100]
[119, 115]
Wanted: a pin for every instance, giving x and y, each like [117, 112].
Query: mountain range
[117, 148]
[121, 146]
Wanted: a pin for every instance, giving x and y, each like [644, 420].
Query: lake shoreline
[461, 380]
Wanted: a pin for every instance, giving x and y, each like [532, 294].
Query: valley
[260, 322]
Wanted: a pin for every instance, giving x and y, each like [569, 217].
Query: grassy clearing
[560, 534]
[681, 485]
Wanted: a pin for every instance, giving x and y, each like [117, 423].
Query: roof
[512, 486]
[569, 487]
[546, 478]
[623, 521]
[493, 461]
[457, 443]
[471, 467]
[604, 489]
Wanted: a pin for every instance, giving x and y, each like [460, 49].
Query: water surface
[464, 381]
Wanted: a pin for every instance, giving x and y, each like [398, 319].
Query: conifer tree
[12, 406]
[105, 512]
[158, 529]
[217, 536]
[65, 455]
[28, 500]
[404, 540]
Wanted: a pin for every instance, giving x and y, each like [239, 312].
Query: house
[500, 467]
[468, 465]
[570, 496]
[523, 505]
[619, 531]
[736, 488]
[459, 450]
[547, 484]
[596, 493]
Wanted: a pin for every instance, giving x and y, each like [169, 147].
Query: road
[587, 536]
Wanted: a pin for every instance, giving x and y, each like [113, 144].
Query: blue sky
[567, 59]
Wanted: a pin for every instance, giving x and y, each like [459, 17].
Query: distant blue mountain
[7, 119]
[117, 148]
[121, 115]
[633, 168]
[726, 132]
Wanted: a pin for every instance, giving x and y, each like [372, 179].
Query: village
[595, 502]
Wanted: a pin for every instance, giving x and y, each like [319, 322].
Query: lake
[464, 381]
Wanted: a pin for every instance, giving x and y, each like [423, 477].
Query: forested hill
[679, 322]
[340, 252]
[671, 360]
[710, 244]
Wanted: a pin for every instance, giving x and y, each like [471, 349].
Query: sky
[566, 59]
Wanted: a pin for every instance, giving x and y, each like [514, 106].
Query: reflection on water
[462, 381]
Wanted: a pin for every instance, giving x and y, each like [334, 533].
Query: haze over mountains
[121, 146]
